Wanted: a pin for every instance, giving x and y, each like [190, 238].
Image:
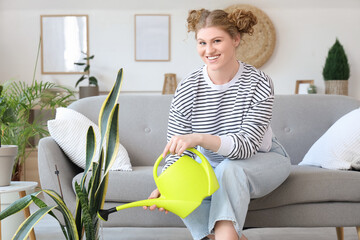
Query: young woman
[224, 109]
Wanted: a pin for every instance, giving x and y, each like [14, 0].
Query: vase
[88, 91]
[338, 87]
[8, 154]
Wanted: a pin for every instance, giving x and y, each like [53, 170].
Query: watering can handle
[204, 162]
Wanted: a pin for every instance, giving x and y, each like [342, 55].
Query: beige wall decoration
[258, 48]
[152, 37]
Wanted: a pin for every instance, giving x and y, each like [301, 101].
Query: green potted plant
[336, 71]
[7, 152]
[90, 195]
[23, 99]
[92, 89]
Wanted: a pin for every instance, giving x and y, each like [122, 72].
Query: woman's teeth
[212, 58]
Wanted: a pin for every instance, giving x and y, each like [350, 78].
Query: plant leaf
[109, 104]
[80, 64]
[17, 206]
[80, 80]
[113, 140]
[25, 228]
[68, 217]
[86, 218]
[89, 58]
[93, 81]
[87, 68]
[90, 153]
[41, 204]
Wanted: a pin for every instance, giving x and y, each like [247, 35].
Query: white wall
[305, 31]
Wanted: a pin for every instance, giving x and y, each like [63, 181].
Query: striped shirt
[239, 112]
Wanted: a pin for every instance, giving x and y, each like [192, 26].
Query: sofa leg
[340, 233]
[358, 231]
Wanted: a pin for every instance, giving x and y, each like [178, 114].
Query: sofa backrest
[298, 121]
[142, 123]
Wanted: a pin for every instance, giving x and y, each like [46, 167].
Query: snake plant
[90, 197]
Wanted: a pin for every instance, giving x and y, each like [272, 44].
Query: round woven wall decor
[257, 48]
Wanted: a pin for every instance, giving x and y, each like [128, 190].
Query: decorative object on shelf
[258, 48]
[59, 33]
[152, 37]
[302, 86]
[312, 89]
[170, 83]
[92, 89]
[336, 71]
[90, 197]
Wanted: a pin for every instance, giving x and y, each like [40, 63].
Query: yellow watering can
[183, 186]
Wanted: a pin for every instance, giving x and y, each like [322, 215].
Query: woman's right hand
[155, 194]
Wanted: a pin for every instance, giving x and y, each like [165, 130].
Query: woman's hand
[178, 144]
[155, 194]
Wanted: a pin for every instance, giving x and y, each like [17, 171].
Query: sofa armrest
[49, 155]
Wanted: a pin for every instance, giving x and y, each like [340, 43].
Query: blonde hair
[238, 21]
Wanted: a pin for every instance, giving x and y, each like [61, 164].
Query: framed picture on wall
[152, 37]
[302, 86]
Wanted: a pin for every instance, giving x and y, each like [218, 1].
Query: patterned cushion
[69, 130]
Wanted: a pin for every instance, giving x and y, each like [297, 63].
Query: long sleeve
[246, 142]
[180, 115]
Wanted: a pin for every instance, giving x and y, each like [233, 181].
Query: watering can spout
[182, 208]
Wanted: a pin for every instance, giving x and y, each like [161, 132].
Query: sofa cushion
[308, 184]
[304, 185]
[339, 147]
[69, 130]
[128, 186]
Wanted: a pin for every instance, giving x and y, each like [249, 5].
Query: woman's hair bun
[194, 18]
[243, 20]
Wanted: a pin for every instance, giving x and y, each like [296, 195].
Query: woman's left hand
[178, 144]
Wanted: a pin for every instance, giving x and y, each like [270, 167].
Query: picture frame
[152, 37]
[302, 86]
[64, 40]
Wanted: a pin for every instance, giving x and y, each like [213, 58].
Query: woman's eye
[217, 41]
[202, 43]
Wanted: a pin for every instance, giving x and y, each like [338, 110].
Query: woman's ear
[236, 40]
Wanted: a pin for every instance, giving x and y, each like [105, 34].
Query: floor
[48, 228]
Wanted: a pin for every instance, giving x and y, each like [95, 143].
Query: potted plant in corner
[90, 191]
[336, 71]
[92, 89]
[8, 153]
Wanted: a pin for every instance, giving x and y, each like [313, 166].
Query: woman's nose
[209, 48]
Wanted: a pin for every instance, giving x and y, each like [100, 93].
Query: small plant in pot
[336, 71]
[8, 153]
[92, 89]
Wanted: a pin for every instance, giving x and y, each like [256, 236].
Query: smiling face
[217, 48]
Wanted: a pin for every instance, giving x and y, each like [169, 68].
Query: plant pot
[8, 154]
[338, 87]
[88, 91]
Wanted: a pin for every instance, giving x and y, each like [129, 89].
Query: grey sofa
[310, 197]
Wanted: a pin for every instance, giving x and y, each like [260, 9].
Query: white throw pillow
[69, 129]
[339, 147]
